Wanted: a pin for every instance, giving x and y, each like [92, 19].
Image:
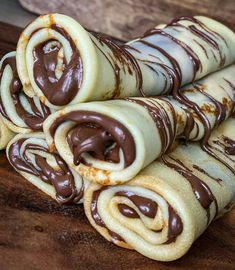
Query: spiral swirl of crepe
[109, 142]
[62, 63]
[5, 135]
[29, 155]
[20, 113]
[168, 205]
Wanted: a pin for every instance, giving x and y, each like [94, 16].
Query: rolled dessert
[169, 204]
[109, 142]
[62, 63]
[20, 113]
[5, 135]
[29, 155]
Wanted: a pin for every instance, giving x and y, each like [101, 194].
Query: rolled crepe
[5, 135]
[109, 142]
[20, 113]
[63, 64]
[29, 155]
[168, 205]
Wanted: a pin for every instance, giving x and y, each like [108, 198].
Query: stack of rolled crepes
[154, 165]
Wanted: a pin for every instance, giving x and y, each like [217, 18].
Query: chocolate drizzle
[161, 119]
[95, 134]
[208, 36]
[196, 28]
[33, 120]
[59, 91]
[62, 178]
[122, 58]
[199, 169]
[230, 147]
[201, 190]
[227, 145]
[220, 113]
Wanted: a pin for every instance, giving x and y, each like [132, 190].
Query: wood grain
[38, 234]
[129, 18]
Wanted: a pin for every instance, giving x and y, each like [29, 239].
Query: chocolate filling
[59, 91]
[98, 135]
[62, 179]
[33, 121]
[146, 206]
[97, 218]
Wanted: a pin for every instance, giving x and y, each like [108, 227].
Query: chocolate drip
[33, 121]
[175, 225]
[62, 179]
[94, 133]
[201, 190]
[58, 91]
[91, 139]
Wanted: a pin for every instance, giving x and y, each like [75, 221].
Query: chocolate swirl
[34, 119]
[61, 178]
[98, 135]
[146, 207]
[59, 90]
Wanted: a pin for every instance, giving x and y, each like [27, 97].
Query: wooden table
[36, 233]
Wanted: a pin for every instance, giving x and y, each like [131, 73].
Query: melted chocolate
[33, 121]
[201, 190]
[175, 225]
[220, 113]
[96, 217]
[62, 179]
[127, 211]
[121, 58]
[230, 148]
[161, 119]
[174, 73]
[149, 208]
[208, 36]
[146, 206]
[94, 133]
[58, 91]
